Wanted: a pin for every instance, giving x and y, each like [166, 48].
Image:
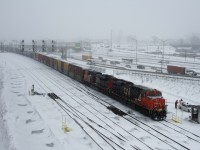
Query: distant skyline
[94, 19]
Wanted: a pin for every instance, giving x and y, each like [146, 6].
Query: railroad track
[78, 120]
[178, 131]
[101, 114]
[154, 130]
[74, 114]
[75, 84]
[123, 129]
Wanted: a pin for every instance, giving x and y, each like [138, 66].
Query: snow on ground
[35, 122]
[26, 128]
[4, 137]
[172, 90]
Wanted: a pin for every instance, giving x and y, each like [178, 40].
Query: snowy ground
[35, 122]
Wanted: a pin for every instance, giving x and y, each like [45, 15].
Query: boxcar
[65, 68]
[47, 61]
[52, 62]
[76, 72]
[59, 65]
[71, 70]
[55, 64]
[40, 57]
[36, 56]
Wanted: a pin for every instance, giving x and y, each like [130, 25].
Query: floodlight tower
[163, 54]
[136, 47]
[111, 40]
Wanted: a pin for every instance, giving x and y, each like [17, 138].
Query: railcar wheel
[153, 115]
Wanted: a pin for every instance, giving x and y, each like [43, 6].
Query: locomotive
[146, 100]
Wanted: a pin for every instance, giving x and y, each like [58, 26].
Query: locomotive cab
[153, 103]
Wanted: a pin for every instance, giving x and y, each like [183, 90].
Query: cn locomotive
[143, 99]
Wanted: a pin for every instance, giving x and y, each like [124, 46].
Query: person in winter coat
[176, 103]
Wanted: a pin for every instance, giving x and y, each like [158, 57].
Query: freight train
[143, 99]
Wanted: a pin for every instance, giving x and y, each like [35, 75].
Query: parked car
[158, 71]
[128, 66]
[140, 67]
[184, 106]
[191, 73]
[164, 61]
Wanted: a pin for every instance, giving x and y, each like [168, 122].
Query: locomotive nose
[159, 104]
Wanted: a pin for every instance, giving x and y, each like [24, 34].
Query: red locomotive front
[153, 103]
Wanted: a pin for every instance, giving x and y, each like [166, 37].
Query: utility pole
[1, 48]
[136, 50]
[185, 54]
[163, 54]
[136, 47]
[111, 40]
[64, 53]
[163, 42]
[22, 46]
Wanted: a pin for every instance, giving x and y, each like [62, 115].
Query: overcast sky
[78, 19]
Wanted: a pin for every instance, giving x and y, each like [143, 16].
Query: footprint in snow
[22, 104]
[37, 131]
[29, 121]
[50, 144]
[29, 112]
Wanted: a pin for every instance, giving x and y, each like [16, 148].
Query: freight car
[143, 99]
[180, 70]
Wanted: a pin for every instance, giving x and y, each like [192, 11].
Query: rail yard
[97, 118]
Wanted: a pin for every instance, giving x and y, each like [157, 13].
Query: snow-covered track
[39, 77]
[47, 74]
[72, 113]
[104, 137]
[167, 138]
[88, 107]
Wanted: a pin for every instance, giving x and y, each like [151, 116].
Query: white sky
[77, 19]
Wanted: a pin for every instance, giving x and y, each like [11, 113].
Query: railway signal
[34, 45]
[43, 46]
[53, 48]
